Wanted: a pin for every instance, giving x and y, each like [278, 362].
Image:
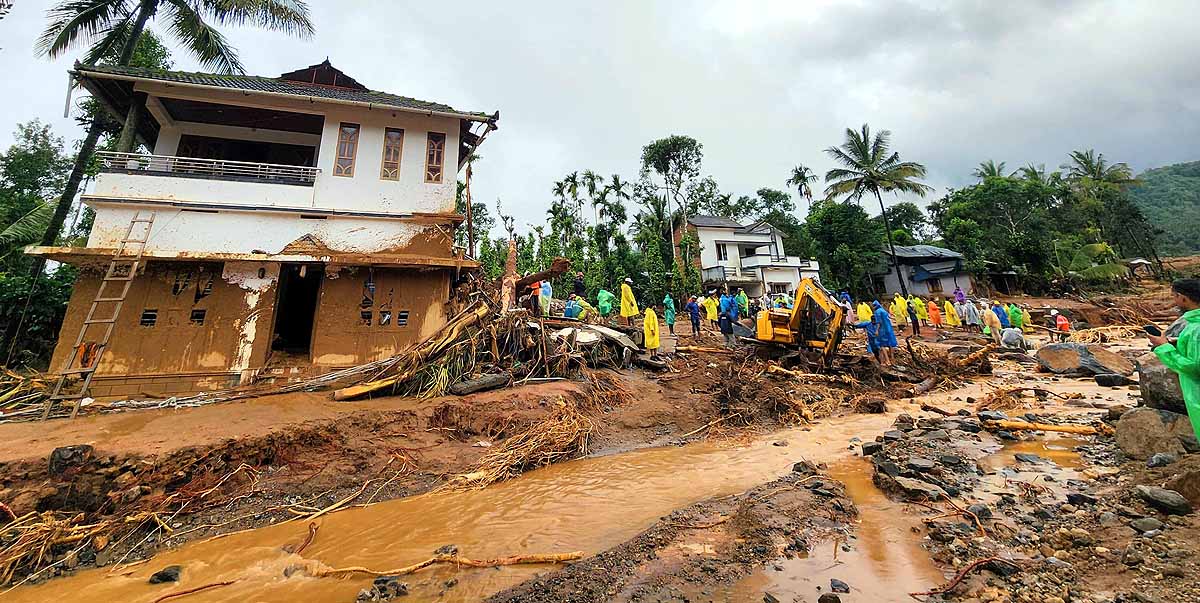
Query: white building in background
[749, 256]
[927, 271]
[298, 221]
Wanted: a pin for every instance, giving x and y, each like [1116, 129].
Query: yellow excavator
[814, 322]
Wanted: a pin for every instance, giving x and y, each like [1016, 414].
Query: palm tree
[802, 179]
[113, 27]
[593, 182]
[872, 168]
[1091, 167]
[989, 169]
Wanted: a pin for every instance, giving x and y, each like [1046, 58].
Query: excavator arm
[814, 322]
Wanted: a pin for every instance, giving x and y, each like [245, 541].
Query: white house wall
[249, 232]
[203, 190]
[709, 237]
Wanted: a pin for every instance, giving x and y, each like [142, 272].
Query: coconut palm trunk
[84, 156]
[887, 225]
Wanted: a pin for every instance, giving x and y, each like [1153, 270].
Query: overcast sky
[762, 85]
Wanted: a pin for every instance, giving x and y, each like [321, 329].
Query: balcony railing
[727, 274]
[216, 169]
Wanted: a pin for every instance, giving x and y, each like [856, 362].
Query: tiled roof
[713, 222]
[254, 83]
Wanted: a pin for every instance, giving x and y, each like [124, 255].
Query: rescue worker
[711, 309]
[1026, 320]
[864, 311]
[885, 334]
[572, 310]
[629, 307]
[650, 331]
[605, 301]
[1183, 356]
[991, 323]
[725, 323]
[935, 315]
[970, 315]
[586, 310]
[1062, 325]
[743, 303]
[952, 317]
[1015, 317]
[921, 311]
[546, 294]
[669, 313]
[693, 310]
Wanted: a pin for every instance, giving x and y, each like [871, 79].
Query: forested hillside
[1170, 198]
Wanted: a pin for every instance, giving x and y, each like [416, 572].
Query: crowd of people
[718, 310]
[1007, 324]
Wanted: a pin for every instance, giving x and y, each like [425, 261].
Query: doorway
[296, 307]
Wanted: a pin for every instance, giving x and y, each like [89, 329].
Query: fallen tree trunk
[318, 572]
[557, 268]
[931, 408]
[976, 356]
[416, 356]
[480, 384]
[1026, 426]
[810, 377]
[700, 348]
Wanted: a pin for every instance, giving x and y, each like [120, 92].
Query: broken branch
[192, 590]
[451, 560]
[1026, 426]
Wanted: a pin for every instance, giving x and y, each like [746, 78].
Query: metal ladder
[127, 254]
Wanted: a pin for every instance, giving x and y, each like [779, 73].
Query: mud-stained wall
[368, 314]
[179, 317]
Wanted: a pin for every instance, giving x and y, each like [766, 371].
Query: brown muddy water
[587, 505]
[881, 561]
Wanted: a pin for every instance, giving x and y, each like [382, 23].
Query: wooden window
[722, 252]
[197, 317]
[347, 148]
[149, 317]
[779, 288]
[393, 143]
[402, 318]
[435, 154]
[935, 285]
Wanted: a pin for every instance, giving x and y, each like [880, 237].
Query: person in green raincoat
[604, 302]
[669, 313]
[1183, 356]
[1015, 317]
[743, 303]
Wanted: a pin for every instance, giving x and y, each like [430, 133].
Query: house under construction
[279, 226]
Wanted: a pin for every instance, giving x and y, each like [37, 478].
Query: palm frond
[206, 43]
[111, 43]
[28, 228]
[287, 16]
[75, 19]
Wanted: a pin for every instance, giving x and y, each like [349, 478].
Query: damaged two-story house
[295, 223]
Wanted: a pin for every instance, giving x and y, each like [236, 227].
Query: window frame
[429, 150]
[399, 148]
[722, 253]
[353, 155]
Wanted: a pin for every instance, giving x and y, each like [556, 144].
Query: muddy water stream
[588, 505]
[881, 562]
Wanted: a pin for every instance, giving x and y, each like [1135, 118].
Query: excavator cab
[814, 322]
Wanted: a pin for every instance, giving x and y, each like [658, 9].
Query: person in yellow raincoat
[864, 312]
[922, 311]
[951, 315]
[899, 310]
[629, 307]
[1026, 320]
[710, 307]
[650, 331]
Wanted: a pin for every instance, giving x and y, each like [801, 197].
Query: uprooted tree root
[562, 435]
[1008, 398]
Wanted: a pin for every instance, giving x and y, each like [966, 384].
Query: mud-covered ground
[689, 554]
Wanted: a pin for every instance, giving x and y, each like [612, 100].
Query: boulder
[1144, 432]
[1167, 501]
[917, 489]
[1082, 360]
[1186, 483]
[1161, 459]
[65, 457]
[166, 574]
[1112, 380]
[1159, 385]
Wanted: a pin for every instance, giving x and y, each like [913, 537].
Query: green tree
[112, 29]
[990, 169]
[676, 159]
[847, 242]
[802, 180]
[908, 223]
[870, 167]
[32, 170]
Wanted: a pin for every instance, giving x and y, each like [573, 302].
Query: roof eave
[83, 71]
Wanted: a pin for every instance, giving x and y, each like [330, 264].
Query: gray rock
[1167, 501]
[870, 448]
[919, 489]
[166, 574]
[1144, 432]
[992, 415]
[829, 598]
[980, 510]
[893, 435]
[769, 598]
[936, 435]
[1146, 524]
[1080, 499]
[1112, 380]
[65, 457]
[838, 586]
[922, 465]
[1025, 457]
[1161, 459]
[1186, 483]
[950, 460]
[1159, 385]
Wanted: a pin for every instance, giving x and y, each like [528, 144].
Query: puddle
[588, 505]
[884, 563]
[1036, 478]
[1059, 450]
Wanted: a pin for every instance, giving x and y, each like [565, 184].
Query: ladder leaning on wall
[85, 355]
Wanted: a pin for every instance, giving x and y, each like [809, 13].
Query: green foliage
[848, 244]
[42, 312]
[909, 224]
[1170, 198]
[1000, 222]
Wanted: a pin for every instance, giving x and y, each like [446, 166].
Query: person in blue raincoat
[886, 333]
[872, 331]
[1001, 314]
[693, 309]
[544, 297]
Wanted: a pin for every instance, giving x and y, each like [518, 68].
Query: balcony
[207, 181]
[728, 274]
[766, 260]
